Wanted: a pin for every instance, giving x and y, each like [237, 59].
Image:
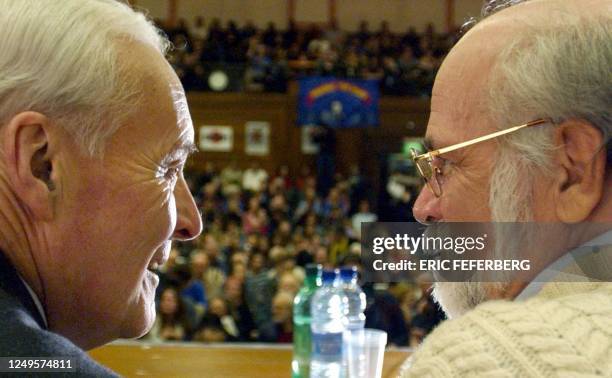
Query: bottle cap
[312, 270]
[328, 276]
[348, 273]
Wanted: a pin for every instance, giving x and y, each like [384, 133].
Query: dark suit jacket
[23, 332]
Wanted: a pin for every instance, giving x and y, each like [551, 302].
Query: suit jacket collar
[13, 287]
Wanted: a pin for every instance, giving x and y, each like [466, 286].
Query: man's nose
[426, 208]
[189, 221]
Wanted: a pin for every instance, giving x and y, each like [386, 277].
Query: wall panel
[400, 117]
[399, 13]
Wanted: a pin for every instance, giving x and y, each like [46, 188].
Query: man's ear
[28, 165]
[580, 175]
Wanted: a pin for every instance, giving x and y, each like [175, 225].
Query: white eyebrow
[180, 150]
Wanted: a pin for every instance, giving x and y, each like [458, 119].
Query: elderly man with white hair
[520, 131]
[94, 133]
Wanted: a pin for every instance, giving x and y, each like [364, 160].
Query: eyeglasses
[430, 168]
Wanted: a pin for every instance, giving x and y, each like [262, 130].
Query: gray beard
[457, 298]
[510, 201]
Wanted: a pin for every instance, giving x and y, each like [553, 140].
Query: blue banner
[338, 102]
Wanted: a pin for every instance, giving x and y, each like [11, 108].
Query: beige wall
[464, 9]
[399, 13]
[312, 11]
[237, 10]
[154, 8]
[402, 13]
[260, 11]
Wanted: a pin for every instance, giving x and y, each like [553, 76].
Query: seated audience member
[320, 257]
[217, 325]
[384, 313]
[88, 205]
[211, 330]
[284, 262]
[173, 273]
[259, 290]
[407, 296]
[174, 258]
[234, 212]
[282, 178]
[255, 220]
[282, 233]
[306, 179]
[238, 309]
[231, 179]
[335, 201]
[339, 245]
[238, 259]
[426, 315]
[362, 216]
[238, 271]
[309, 204]
[526, 62]
[210, 212]
[280, 328]
[304, 250]
[172, 323]
[288, 283]
[254, 178]
[263, 243]
[257, 264]
[195, 289]
[212, 276]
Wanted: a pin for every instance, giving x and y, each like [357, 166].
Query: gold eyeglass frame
[430, 174]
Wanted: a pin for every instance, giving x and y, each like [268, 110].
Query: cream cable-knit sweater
[563, 331]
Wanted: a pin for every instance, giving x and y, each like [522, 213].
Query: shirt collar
[549, 274]
[36, 301]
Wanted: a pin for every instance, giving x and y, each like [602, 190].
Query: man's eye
[172, 172]
[437, 162]
[442, 164]
[447, 166]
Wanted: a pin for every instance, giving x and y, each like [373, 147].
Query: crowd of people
[266, 59]
[237, 281]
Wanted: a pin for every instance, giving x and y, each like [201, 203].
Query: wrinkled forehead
[460, 102]
[162, 89]
[162, 111]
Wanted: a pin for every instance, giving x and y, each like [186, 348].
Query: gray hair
[558, 68]
[60, 58]
[557, 71]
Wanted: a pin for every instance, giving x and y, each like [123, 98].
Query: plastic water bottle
[302, 344]
[354, 318]
[327, 308]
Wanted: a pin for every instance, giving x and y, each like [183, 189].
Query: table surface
[133, 359]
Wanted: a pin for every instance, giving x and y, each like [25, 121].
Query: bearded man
[520, 130]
